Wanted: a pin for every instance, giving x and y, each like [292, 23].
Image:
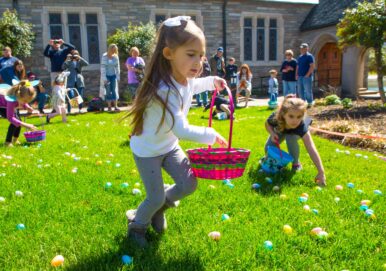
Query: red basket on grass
[219, 163]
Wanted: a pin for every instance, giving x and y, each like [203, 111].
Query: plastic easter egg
[20, 227]
[211, 186]
[315, 211]
[338, 187]
[108, 185]
[74, 170]
[283, 197]
[276, 188]
[359, 191]
[337, 150]
[365, 156]
[256, 186]
[369, 212]
[302, 199]
[18, 193]
[2, 199]
[224, 217]
[287, 229]
[358, 155]
[117, 165]
[137, 185]
[322, 235]
[378, 192]
[316, 230]
[366, 202]
[226, 181]
[215, 235]
[268, 180]
[58, 260]
[134, 171]
[268, 245]
[124, 185]
[364, 207]
[318, 189]
[305, 195]
[347, 152]
[126, 259]
[230, 185]
[350, 185]
[98, 163]
[307, 208]
[136, 191]
[111, 155]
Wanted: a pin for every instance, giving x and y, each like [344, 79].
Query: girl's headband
[176, 21]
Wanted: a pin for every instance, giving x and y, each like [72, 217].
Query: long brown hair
[290, 102]
[249, 73]
[159, 69]
[23, 91]
[21, 75]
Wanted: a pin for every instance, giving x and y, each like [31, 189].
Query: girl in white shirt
[159, 120]
[59, 97]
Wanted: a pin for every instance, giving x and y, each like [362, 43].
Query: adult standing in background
[217, 63]
[205, 72]
[57, 51]
[288, 69]
[304, 71]
[7, 60]
[16, 72]
[135, 67]
[110, 76]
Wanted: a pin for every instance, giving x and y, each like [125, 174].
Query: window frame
[280, 38]
[170, 12]
[82, 11]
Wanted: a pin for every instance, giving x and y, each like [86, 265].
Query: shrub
[347, 103]
[16, 34]
[141, 36]
[332, 100]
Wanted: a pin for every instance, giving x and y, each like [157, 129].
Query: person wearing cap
[7, 60]
[41, 95]
[57, 55]
[217, 63]
[304, 74]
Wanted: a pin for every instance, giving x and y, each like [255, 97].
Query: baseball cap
[304, 45]
[220, 49]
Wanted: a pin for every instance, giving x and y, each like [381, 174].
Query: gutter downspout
[15, 5]
[224, 27]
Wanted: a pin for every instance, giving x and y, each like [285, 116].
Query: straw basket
[76, 100]
[276, 160]
[219, 163]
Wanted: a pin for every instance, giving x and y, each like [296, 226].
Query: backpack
[96, 104]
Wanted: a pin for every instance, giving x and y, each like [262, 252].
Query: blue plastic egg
[302, 199]
[126, 259]
[364, 207]
[230, 185]
[124, 185]
[315, 211]
[226, 181]
[256, 186]
[20, 227]
[378, 192]
[108, 185]
[350, 185]
[268, 245]
[268, 180]
[359, 191]
[224, 217]
[369, 212]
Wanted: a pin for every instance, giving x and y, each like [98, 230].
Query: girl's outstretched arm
[313, 152]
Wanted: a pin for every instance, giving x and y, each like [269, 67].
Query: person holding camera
[74, 64]
[135, 71]
[57, 51]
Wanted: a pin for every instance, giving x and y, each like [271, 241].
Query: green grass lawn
[72, 214]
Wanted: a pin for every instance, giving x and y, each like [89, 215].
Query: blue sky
[298, 1]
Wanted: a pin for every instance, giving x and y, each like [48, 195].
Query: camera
[56, 41]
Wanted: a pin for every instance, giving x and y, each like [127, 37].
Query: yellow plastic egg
[283, 197]
[305, 195]
[98, 163]
[366, 202]
[58, 260]
[287, 229]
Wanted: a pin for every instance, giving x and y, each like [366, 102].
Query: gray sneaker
[137, 234]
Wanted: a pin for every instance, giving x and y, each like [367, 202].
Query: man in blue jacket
[57, 54]
[7, 59]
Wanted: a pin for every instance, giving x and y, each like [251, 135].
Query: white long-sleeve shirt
[152, 144]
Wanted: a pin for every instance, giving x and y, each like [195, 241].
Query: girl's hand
[31, 127]
[221, 141]
[274, 137]
[320, 179]
[219, 83]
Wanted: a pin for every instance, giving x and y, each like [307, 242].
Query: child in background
[273, 89]
[159, 120]
[244, 83]
[231, 77]
[59, 97]
[18, 95]
[289, 122]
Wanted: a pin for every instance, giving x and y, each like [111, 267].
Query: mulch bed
[365, 117]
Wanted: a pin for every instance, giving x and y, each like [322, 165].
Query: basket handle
[231, 108]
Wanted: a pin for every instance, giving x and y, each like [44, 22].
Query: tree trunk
[378, 59]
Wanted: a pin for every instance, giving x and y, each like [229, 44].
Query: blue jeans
[133, 90]
[289, 87]
[70, 95]
[111, 94]
[41, 98]
[204, 96]
[305, 88]
[273, 97]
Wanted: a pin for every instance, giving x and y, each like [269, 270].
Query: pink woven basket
[219, 163]
[35, 136]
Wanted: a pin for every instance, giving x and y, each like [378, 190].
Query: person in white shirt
[159, 120]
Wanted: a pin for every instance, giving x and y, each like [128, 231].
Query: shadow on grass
[143, 259]
[125, 144]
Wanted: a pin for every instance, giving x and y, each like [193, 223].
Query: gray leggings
[292, 145]
[177, 165]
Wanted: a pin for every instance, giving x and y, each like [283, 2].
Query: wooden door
[329, 70]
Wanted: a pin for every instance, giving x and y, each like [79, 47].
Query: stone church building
[256, 32]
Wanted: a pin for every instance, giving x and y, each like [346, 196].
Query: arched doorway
[329, 69]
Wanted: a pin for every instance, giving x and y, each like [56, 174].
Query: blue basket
[274, 162]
